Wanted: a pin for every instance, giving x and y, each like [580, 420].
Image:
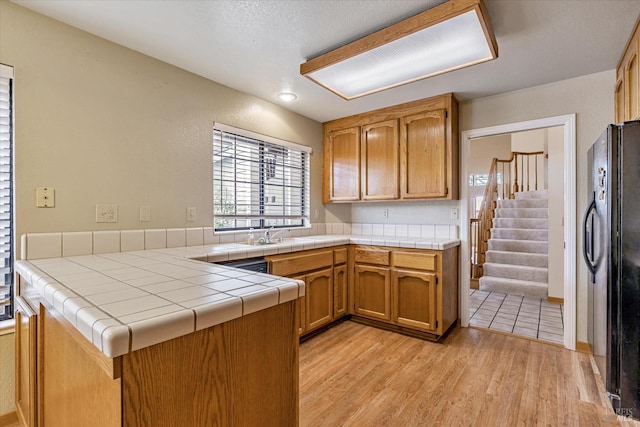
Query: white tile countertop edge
[124, 301]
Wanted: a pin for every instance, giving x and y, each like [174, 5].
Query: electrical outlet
[145, 213]
[454, 213]
[385, 213]
[106, 213]
[316, 214]
[45, 197]
[191, 214]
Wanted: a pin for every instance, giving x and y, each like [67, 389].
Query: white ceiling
[257, 46]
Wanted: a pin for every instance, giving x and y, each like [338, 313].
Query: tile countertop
[122, 302]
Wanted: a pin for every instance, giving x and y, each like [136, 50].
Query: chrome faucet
[268, 234]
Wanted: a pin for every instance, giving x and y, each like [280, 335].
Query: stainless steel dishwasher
[259, 265]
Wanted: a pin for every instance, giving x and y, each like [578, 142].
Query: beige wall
[104, 124]
[7, 366]
[591, 99]
[482, 151]
[554, 138]
[528, 141]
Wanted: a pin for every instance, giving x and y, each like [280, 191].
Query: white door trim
[570, 296]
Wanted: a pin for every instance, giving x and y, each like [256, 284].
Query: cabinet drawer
[415, 260]
[372, 256]
[297, 264]
[340, 256]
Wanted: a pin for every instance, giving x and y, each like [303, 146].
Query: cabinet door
[372, 292]
[343, 165]
[423, 155]
[319, 296]
[632, 90]
[339, 291]
[26, 362]
[619, 95]
[414, 299]
[380, 161]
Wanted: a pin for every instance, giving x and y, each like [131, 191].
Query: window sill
[307, 226]
[7, 327]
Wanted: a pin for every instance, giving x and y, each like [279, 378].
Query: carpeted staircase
[517, 261]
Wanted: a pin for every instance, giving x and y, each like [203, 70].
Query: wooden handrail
[480, 228]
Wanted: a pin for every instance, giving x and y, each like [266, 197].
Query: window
[481, 179]
[258, 181]
[6, 192]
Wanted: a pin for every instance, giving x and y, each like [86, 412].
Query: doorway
[569, 235]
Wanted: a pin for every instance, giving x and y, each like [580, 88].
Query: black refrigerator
[611, 249]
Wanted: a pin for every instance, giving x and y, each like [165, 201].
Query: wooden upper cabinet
[407, 152]
[342, 165]
[627, 89]
[380, 160]
[632, 89]
[423, 155]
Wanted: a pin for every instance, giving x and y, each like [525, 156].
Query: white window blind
[6, 192]
[258, 181]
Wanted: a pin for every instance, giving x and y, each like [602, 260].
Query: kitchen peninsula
[159, 337]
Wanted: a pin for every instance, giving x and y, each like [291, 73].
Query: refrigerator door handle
[585, 246]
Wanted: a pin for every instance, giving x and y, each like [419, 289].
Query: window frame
[7, 308]
[259, 145]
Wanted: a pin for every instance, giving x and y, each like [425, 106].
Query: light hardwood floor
[356, 375]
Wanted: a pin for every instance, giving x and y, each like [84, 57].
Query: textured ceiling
[257, 46]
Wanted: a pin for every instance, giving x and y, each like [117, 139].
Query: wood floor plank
[356, 375]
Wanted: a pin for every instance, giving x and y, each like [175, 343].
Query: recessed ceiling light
[287, 96]
[452, 35]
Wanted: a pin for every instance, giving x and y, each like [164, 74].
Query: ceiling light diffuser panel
[448, 37]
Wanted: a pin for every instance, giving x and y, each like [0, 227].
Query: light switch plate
[145, 213]
[45, 197]
[191, 214]
[106, 213]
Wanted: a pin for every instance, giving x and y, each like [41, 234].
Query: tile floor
[530, 317]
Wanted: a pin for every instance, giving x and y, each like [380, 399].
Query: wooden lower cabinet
[372, 291]
[408, 290]
[217, 376]
[324, 272]
[78, 384]
[26, 363]
[319, 298]
[414, 299]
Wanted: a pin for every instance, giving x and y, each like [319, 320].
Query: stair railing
[505, 179]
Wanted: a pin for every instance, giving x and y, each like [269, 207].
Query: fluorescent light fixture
[287, 96]
[453, 35]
